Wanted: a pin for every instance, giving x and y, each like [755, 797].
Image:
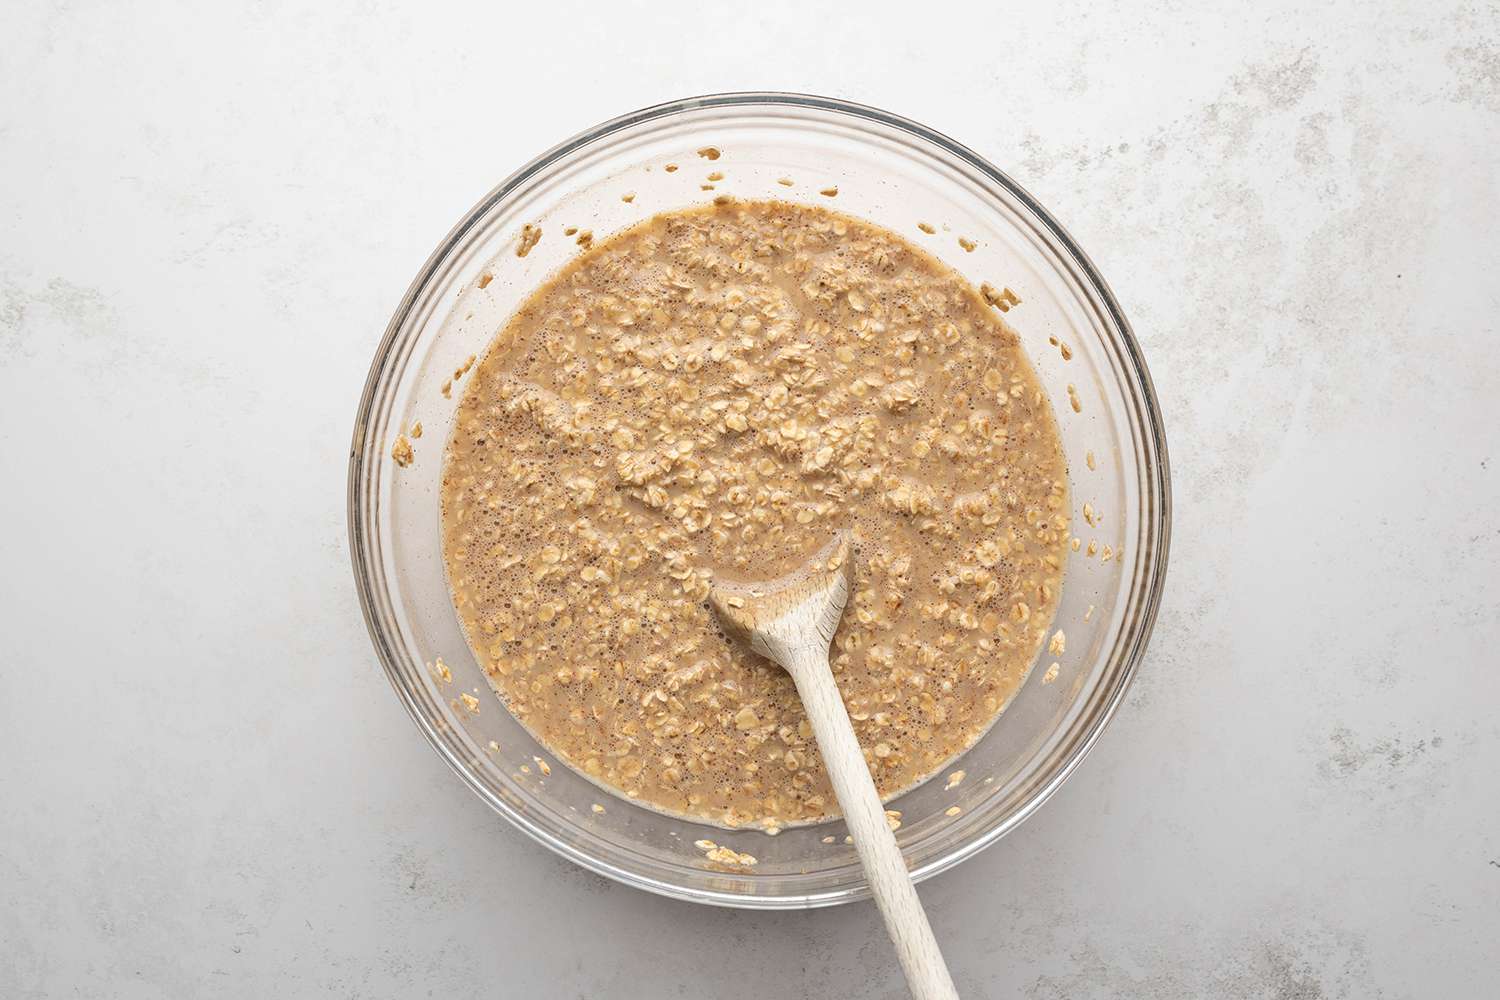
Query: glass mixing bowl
[888, 170]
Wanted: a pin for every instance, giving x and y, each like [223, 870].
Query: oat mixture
[715, 391]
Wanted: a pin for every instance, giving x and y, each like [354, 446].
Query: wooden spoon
[792, 621]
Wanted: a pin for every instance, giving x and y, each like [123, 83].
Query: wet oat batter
[715, 391]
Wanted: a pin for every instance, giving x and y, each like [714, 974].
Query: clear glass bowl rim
[365, 453]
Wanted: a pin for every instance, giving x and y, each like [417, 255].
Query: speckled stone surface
[207, 214]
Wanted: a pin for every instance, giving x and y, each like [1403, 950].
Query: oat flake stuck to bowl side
[401, 452]
[530, 237]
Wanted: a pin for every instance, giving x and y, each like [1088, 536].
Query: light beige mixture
[714, 392]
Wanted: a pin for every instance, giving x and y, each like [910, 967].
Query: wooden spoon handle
[926, 973]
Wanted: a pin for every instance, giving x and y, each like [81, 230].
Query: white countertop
[207, 788]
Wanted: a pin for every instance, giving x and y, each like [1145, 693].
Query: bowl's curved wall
[893, 172]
